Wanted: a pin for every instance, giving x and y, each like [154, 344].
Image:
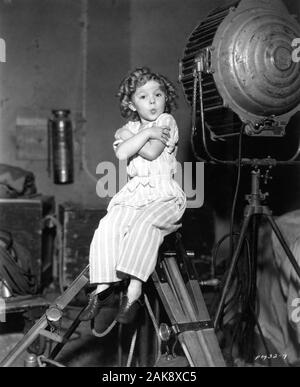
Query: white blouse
[151, 180]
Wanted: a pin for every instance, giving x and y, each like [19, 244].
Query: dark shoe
[128, 310]
[96, 301]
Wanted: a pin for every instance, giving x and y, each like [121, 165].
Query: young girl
[150, 205]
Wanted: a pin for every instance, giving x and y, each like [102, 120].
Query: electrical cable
[131, 351]
[213, 271]
[156, 328]
[42, 362]
[262, 338]
[197, 74]
[216, 251]
[84, 43]
[104, 333]
[214, 268]
[244, 326]
[237, 187]
[244, 276]
[194, 114]
[238, 300]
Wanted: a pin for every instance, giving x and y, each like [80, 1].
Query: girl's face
[148, 101]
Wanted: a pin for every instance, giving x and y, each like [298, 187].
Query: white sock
[133, 293]
[100, 288]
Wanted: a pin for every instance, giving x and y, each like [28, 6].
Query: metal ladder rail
[40, 326]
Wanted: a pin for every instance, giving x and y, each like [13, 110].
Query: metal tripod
[254, 209]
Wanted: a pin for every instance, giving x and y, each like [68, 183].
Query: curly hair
[138, 78]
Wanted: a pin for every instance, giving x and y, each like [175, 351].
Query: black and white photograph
[149, 186]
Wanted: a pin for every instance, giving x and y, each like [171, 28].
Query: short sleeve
[120, 135]
[169, 121]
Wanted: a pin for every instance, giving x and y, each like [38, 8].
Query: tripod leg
[232, 266]
[284, 244]
[249, 309]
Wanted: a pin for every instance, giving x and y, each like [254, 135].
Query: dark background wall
[49, 66]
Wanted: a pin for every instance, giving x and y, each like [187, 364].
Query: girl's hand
[161, 133]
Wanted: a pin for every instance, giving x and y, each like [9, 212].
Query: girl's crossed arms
[148, 142]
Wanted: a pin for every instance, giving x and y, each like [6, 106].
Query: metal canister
[61, 146]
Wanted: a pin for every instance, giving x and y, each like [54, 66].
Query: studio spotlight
[243, 54]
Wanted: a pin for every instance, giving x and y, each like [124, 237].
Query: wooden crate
[24, 219]
[78, 226]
